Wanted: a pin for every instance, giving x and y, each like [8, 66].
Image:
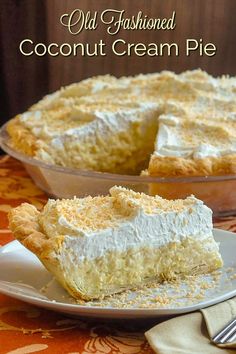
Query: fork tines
[227, 334]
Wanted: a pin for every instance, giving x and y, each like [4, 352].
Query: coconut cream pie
[163, 123]
[103, 245]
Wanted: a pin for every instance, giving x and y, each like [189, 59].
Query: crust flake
[23, 222]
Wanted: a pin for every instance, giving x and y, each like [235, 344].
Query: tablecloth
[28, 329]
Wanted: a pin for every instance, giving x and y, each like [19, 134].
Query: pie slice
[103, 245]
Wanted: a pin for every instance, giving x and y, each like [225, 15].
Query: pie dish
[160, 124]
[217, 192]
[103, 245]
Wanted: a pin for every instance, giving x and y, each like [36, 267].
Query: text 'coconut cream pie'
[163, 124]
[103, 245]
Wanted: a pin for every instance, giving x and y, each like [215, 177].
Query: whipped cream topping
[196, 139]
[127, 219]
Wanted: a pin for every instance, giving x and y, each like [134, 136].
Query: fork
[226, 334]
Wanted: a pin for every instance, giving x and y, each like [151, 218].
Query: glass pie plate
[218, 192]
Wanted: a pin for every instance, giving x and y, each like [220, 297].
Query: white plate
[23, 277]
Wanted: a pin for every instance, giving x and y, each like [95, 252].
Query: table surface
[28, 329]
